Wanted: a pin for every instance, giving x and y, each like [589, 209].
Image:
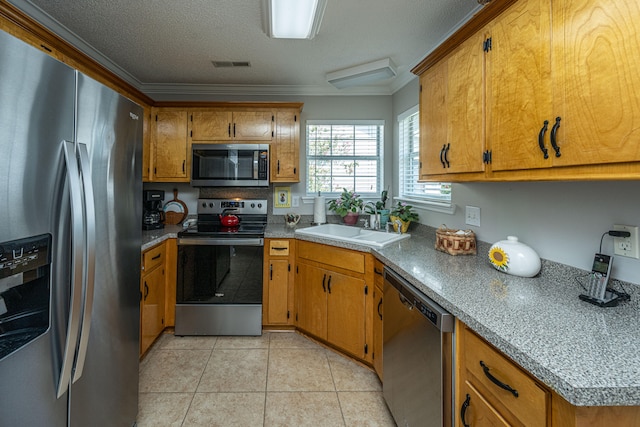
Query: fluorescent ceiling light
[362, 74]
[293, 19]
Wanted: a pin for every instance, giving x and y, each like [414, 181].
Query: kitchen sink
[351, 234]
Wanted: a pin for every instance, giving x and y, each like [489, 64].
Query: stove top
[251, 213]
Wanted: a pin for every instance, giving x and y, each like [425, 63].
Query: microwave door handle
[256, 153]
[77, 247]
[90, 260]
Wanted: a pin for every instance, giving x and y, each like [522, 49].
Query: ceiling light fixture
[293, 19]
[362, 74]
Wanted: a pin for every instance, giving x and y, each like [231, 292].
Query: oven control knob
[259, 205]
[211, 204]
[204, 204]
[253, 205]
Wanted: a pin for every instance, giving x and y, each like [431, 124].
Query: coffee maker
[152, 215]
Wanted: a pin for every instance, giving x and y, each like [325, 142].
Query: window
[344, 154]
[409, 164]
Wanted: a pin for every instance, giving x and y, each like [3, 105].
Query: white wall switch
[295, 201]
[472, 216]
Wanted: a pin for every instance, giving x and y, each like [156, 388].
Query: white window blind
[409, 167]
[344, 154]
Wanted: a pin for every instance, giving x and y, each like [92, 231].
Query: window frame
[439, 204]
[379, 157]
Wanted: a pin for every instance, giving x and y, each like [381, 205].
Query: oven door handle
[195, 241]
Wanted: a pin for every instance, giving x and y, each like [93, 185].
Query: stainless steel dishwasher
[417, 356]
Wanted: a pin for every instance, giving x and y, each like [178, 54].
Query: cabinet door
[252, 125]
[311, 285]
[597, 55]
[433, 120]
[152, 309]
[212, 125]
[346, 313]
[465, 107]
[285, 153]
[519, 87]
[475, 411]
[278, 292]
[170, 145]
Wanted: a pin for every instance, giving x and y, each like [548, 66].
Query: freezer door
[110, 126]
[36, 115]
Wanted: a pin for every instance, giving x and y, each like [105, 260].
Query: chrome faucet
[399, 224]
[374, 218]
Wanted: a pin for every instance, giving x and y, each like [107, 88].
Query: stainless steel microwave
[230, 165]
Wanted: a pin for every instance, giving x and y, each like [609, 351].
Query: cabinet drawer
[476, 411]
[153, 258]
[329, 255]
[483, 362]
[278, 248]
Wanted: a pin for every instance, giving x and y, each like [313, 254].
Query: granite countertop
[150, 238]
[587, 354]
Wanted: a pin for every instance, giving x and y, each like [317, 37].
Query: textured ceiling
[168, 45]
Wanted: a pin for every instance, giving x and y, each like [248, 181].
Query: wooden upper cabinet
[253, 125]
[561, 80]
[285, 152]
[451, 112]
[170, 144]
[597, 80]
[433, 120]
[211, 125]
[220, 125]
[519, 87]
[465, 101]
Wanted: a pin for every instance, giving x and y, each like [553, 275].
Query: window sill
[441, 207]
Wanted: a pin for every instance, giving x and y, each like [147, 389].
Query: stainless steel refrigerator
[70, 215]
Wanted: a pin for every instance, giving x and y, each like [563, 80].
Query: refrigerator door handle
[89, 259]
[77, 249]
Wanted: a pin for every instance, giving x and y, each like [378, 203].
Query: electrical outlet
[472, 216]
[295, 201]
[626, 246]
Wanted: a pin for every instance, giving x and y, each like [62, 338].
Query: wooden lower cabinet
[334, 303]
[522, 400]
[157, 291]
[152, 305]
[277, 294]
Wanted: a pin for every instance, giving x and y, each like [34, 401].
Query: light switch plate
[472, 216]
[295, 201]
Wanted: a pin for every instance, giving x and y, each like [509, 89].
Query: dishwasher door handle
[405, 301]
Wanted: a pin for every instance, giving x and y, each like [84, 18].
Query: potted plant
[402, 212]
[380, 208]
[347, 205]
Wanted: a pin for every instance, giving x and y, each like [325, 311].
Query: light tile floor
[278, 379]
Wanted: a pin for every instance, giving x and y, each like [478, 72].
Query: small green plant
[403, 211]
[347, 202]
[379, 205]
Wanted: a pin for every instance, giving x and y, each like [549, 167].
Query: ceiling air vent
[230, 64]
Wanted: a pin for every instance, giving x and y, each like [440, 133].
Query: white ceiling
[166, 46]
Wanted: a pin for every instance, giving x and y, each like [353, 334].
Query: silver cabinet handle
[77, 249]
[90, 259]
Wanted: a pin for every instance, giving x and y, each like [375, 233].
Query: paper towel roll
[319, 210]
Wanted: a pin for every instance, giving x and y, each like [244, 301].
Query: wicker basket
[455, 242]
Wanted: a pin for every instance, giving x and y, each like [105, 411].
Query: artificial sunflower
[499, 258]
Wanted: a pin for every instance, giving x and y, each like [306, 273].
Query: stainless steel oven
[219, 284]
[224, 165]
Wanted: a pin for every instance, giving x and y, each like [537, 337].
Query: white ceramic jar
[514, 257]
